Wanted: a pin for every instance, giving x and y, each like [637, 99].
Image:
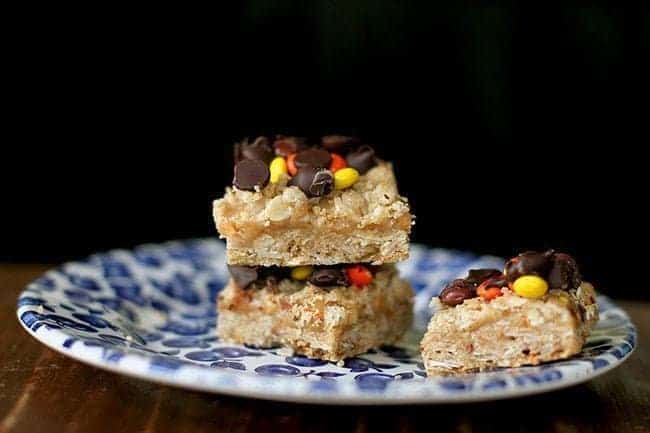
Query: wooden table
[42, 391]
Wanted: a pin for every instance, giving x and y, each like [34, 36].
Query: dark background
[510, 127]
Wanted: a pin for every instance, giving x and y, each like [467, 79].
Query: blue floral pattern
[151, 313]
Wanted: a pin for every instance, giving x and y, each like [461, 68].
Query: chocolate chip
[496, 281]
[457, 291]
[564, 273]
[260, 149]
[528, 263]
[273, 272]
[243, 276]
[477, 276]
[324, 277]
[339, 143]
[315, 157]
[250, 173]
[285, 146]
[314, 182]
[362, 159]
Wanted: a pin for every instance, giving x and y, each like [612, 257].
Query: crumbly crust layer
[326, 324]
[509, 331]
[367, 223]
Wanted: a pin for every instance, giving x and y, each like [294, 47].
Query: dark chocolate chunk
[324, 277]
[457, 291]
[564, 273]
[285, 146]
[496, 281]
[314, 182]
[362, 159]
[259, 149]
[314, 157]
[529, 263]
[243, 276]
[273, 272]
[339, 143]
[477, 276]
[250, 173]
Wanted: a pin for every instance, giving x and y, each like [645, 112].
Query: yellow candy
[301, 273]
[530, 286]
[277, 168]
[345, 178]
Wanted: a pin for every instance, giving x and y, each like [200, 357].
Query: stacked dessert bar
[313, 231]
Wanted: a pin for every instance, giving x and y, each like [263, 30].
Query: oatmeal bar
[538, 311]
[329, 323]
[313, 207]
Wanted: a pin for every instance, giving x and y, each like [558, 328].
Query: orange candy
[291, 165]
[359, 275]
[338, 162]
[488, 293]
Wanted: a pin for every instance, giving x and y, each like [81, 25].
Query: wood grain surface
[42, 391]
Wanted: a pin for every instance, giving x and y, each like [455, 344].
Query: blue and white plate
[150, 313]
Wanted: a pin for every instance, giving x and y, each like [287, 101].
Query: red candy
[488, 290]
[489, 293]
[359, 275]
[291, 164]
[338, 162]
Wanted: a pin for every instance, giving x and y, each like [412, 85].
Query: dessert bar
[293, 204]
[328, 313]
[537, 310]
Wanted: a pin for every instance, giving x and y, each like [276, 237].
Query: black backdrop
[511, 127]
